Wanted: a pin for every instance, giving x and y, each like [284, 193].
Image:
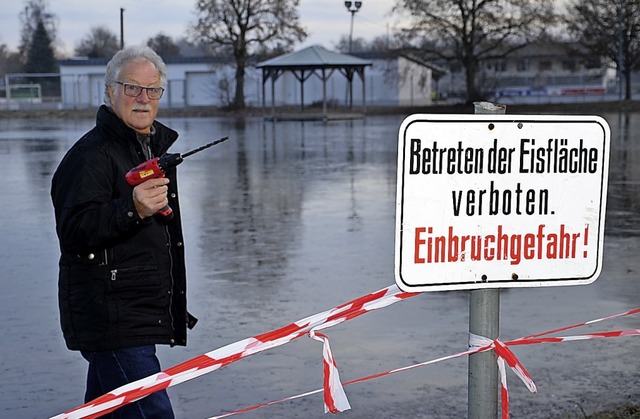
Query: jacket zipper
[114, 272]
[105, 261]
[171, 290]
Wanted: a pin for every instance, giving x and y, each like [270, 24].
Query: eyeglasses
[133, 90]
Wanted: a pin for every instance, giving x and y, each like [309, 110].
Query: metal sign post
[484, 320]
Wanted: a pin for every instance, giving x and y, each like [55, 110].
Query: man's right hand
[150, 197]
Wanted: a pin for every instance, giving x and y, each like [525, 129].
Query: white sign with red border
[493, 201]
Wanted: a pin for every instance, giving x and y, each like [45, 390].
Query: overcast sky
[325, 20]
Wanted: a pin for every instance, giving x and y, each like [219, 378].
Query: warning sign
[488, 201]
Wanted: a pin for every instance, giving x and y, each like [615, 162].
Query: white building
[191, 82]
[391, 80]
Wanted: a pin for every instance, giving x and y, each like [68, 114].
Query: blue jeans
[109, 370]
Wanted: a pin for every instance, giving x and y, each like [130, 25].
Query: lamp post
[352, 7]
[121, 28]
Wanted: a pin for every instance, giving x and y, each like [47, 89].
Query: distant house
[547, 70]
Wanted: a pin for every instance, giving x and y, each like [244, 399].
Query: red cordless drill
[157, 167]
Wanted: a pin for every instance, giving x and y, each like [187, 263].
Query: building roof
[313, 57]
[84, 61]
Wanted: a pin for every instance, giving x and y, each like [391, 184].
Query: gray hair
[127, 55]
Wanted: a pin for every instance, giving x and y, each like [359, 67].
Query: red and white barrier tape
[335, 397]
[482, 344]
[504, 354]
[221, 357]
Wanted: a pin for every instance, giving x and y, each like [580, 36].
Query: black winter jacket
[122, 280]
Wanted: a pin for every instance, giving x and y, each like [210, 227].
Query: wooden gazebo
[314, 60]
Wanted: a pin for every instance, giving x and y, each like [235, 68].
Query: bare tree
[378, 43]
[608, 30]
[9, 61]
[101, 42]
[164, 45]
[466, 32]
[188, 48]
[357, 44]
[246, 27]
[383, 43]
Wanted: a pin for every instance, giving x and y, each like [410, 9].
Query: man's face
[136, 112]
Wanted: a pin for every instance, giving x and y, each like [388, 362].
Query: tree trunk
[472, 89]
[241, 62]
[238, 102]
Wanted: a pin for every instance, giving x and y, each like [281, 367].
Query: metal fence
[30, 91]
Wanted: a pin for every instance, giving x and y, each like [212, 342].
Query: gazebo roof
[313, 57]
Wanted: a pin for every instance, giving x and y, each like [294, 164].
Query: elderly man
[122, 280]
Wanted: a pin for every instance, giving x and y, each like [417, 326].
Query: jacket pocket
[94, 258]
[138, 276]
